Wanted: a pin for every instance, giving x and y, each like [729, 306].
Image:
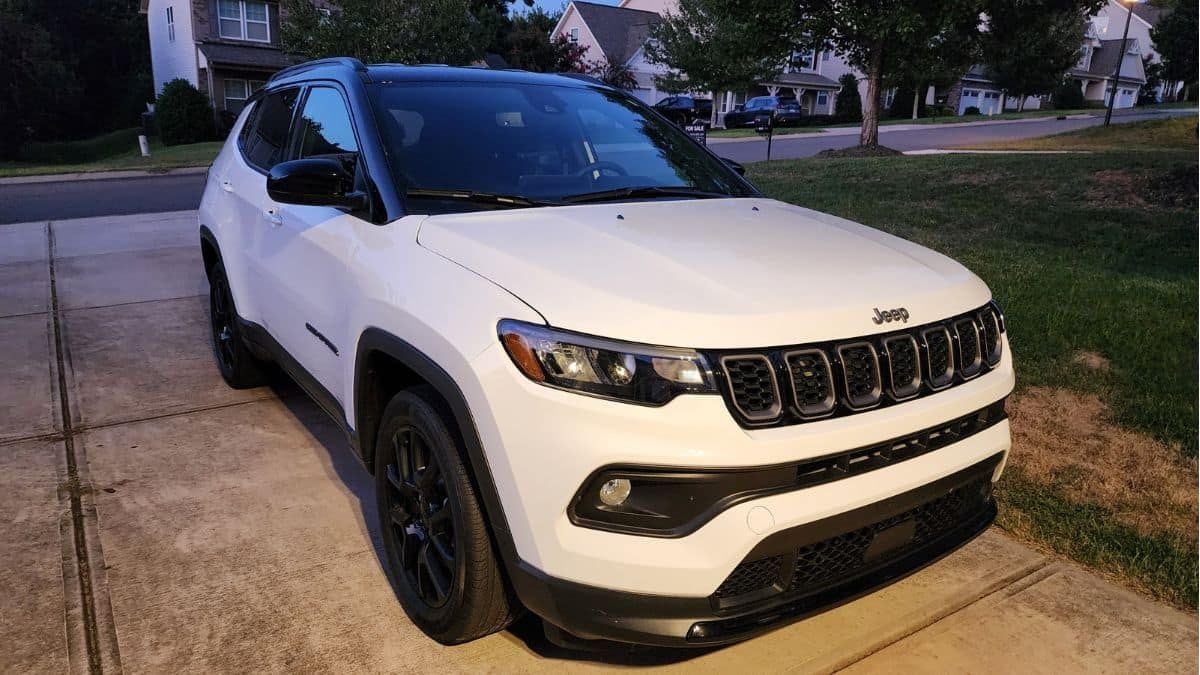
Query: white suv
[596, 373]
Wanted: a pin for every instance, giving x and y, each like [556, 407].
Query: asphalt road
[155, 194]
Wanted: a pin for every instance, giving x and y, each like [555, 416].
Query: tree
[183, 114]
[527, 48]
[874, 36]
[849, 102]
[1068, 95]
[1148, 94]
[1030, 44]
[616, 75]
[940, 62]
[1175, 39]
[381, 31]
[37, 89]
[723, 45]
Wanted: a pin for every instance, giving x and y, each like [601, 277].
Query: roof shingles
[619, 32]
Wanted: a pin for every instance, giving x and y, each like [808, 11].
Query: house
[616, 35]
[226, 48]
[1108, 23]
[1098, 64]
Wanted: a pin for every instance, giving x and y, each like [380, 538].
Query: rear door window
[264, 144]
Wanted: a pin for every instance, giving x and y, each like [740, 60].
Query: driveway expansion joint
[76, 491]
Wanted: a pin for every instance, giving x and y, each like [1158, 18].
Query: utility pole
[1116, 81]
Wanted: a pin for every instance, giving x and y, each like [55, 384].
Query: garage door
[970, 97]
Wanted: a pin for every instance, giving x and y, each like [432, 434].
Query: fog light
[614, 492]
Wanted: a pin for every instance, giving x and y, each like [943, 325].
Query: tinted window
[538, 141]
[265, 142]
[324, 128]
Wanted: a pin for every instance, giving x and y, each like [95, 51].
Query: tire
[438, 550]
[239, 368]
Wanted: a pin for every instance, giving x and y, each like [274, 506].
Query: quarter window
[325, 128]
[244, 20]
[265, 143]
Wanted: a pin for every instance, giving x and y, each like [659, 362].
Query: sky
[556, 5]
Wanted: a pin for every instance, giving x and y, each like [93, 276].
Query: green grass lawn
[1173, 133]
[79, 157]
[1094, 253]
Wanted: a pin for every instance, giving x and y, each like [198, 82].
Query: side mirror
[318, 181]
[736, 166]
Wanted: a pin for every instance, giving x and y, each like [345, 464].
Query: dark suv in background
[684, 110]
[784, 110]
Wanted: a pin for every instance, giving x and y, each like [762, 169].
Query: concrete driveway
[156, 521]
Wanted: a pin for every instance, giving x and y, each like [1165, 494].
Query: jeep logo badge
[888, 315]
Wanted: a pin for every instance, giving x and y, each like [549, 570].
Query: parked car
[785, 111]
[684, 110]
[595, 373]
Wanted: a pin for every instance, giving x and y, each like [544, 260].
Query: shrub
[971, 110]
[67, 152]
[848, 106]
[183, 114]
[1068, 96]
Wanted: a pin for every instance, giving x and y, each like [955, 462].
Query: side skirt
[261, 341]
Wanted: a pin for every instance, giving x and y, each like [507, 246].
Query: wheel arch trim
[378, 340]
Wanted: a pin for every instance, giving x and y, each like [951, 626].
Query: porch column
[772, 89]
[798, 92]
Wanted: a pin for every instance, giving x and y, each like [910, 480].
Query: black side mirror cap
[736, 166]
[317, 181]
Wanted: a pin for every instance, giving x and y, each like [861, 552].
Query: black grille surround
[831, 379]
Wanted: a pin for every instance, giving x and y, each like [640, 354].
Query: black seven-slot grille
[816, 566]
[790, 385]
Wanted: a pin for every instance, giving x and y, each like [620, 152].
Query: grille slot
[812, 382]
[860, 374]
[753, 385]
[970, 360]
[904, 366]
[993, 345]
[939, 357]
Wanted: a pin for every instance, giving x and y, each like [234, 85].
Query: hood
[716, 274]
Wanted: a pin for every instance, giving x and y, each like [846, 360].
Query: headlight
[606, 368]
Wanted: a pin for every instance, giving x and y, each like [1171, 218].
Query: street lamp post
[1116, 82]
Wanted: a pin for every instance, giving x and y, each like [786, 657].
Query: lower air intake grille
[845, 556]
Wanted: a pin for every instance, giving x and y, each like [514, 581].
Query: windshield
[541, 143]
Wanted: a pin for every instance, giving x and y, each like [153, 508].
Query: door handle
[273, 217]
[227, 185]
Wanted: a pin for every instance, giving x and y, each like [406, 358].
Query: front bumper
[820, 564]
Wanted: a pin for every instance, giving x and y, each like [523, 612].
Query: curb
[99, 175]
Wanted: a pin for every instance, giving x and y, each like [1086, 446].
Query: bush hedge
[183, 115]
[972, 110]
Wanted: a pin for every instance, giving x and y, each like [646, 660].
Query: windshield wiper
[650, 191]
[477, 197]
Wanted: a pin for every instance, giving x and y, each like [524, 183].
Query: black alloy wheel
[239, 368]
[420, 516]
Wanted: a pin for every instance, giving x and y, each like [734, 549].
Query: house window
[244, 20]
[822, 98]
[803, 59]
[170, 24]
[573, 36]
[237, 92]
[825, 55]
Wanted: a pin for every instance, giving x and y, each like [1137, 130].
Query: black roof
[394, 72]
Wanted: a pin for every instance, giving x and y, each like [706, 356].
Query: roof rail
[347, 61]
[580, 76]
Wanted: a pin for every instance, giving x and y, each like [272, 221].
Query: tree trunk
[1021, 104]
[869, 136]
[916, 101]
[716, 105]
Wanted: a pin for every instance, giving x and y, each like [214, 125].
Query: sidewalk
[98, 175]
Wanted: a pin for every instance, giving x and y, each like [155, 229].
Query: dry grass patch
[1065, 440]
[1092, 361]
[1114, 187]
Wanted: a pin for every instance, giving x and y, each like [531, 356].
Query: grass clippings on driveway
[1099, 285]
